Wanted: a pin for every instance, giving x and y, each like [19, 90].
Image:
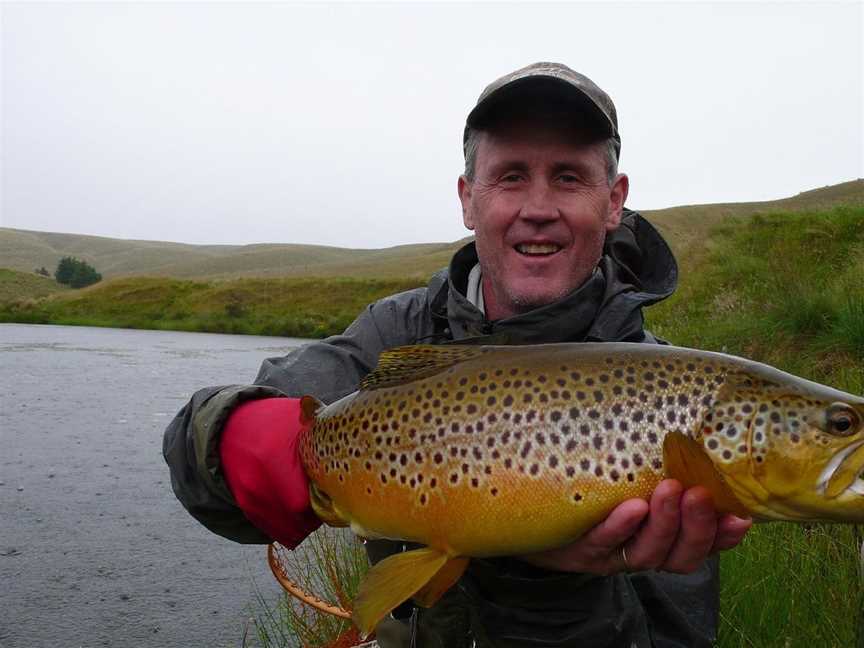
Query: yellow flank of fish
[482, 451]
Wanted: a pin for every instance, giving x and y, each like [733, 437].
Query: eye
[842, 420]
[568, 178]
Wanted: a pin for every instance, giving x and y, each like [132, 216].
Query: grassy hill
[685, 227]
[27, 285]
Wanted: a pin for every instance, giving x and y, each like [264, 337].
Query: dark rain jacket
[498, 602]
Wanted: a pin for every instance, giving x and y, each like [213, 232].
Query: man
[556, 258]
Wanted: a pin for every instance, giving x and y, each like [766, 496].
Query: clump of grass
[330, 563]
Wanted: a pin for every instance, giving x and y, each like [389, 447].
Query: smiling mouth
[537, 249]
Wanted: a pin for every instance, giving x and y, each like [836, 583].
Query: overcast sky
[341, 124]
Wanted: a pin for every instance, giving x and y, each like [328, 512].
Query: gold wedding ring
[624, 558]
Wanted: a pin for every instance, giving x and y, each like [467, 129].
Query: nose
[539, 204]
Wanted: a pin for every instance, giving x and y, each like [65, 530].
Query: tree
[42, 271]
[76, 273]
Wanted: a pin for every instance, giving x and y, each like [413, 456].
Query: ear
[464, 188]
[617, 197]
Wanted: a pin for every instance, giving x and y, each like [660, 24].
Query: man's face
[540, 206]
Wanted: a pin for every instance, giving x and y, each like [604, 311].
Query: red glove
[261, 464]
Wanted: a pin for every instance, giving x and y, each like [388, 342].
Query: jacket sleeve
[328, 369]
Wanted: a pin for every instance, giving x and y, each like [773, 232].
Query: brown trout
[478, 451]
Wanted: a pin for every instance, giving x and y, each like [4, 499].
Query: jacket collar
[637, 269]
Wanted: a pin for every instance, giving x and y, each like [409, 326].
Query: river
[94, 548]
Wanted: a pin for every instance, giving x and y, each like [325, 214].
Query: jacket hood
[637, 269]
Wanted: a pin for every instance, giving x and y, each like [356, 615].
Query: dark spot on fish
[610, 459]
[727, 454]
[553, 461]
[712, 444]
[598, 470]
[597, 441]
[437, 458]
[571, 445]
[608, 424]
[594, 414]
[584, 429]
[652, 438]
[637, 459]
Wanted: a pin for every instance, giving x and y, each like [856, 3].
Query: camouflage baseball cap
[547, 83]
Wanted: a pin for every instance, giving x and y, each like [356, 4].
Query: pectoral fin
[686, 460]
[392, 581]
[324, 508]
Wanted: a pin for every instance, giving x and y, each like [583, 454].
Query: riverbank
[290, 307]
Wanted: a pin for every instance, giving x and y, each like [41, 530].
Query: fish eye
[842, 420]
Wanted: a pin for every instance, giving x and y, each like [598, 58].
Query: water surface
[94, 548]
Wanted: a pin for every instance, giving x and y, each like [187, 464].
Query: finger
[617, 528]
[653, 542]
[730, 532]
[697, 533]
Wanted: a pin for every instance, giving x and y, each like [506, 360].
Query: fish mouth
[840, 475]
[857, 486]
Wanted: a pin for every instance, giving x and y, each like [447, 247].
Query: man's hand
[262, 466]
[675, 532]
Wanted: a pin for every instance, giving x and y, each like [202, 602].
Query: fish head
[789, 449]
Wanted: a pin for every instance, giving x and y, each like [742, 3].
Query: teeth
[537, 248]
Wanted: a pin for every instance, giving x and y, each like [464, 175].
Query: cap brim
[540, 92]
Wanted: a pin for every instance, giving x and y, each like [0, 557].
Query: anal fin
[441, 582]
[686, 460]
[392, 581]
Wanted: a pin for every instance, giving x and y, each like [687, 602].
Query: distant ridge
[25, 250]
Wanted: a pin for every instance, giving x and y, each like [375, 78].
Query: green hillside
[15, 285]
[786, 289]
[685, 227]
[292, 307]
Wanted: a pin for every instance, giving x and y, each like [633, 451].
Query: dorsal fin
[404, 364]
